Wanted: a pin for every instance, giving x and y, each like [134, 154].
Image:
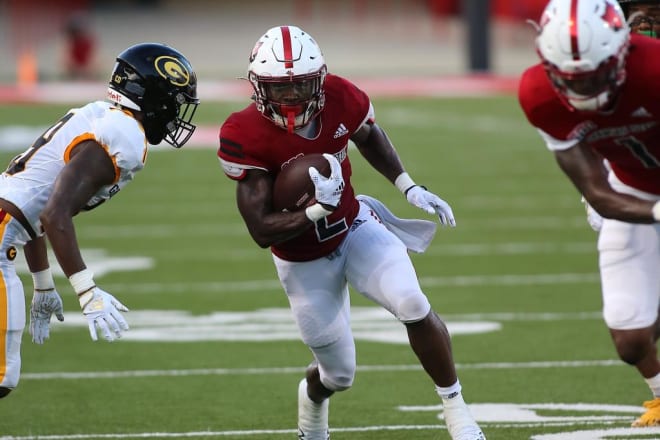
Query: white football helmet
[583, 45]
[287, 71]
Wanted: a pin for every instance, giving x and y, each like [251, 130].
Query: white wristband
[403, 182]
[316, 212]
[82, 281]
[43, 280]
[656, 211]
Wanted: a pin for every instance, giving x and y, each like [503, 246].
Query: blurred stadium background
[359, 37]
[212, 352]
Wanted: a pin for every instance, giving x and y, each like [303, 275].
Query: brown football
[293, 188]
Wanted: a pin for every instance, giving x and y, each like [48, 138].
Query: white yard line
[579, 435]
[273, 284]
[298, 370]
[606, 419]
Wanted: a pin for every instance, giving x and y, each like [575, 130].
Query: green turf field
[213, 353]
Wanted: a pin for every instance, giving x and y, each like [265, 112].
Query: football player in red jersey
[299, 108]
[643, 16]
[593, 102]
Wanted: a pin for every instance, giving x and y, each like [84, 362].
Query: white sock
[312, 416]
[451, 393]
[654, 384]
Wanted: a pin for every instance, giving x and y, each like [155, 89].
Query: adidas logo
[641, 113]
[341, 131]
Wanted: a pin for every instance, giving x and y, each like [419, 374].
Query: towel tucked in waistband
[416, 234]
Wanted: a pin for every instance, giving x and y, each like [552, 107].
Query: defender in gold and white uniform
[82, 160]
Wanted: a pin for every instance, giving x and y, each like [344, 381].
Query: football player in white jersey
[82, 160]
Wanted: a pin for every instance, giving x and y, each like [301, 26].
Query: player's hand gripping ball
[293, 189]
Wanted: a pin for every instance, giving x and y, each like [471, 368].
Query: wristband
[43, 280]
[656, 211]
[316, 212]
[419, 186]
[82, 281]
[403, 182]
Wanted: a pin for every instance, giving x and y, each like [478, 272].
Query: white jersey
[30, 177]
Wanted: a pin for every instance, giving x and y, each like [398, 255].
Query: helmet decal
[612, 18]
[545, 19]
[172, 70]
[288, 51]
[255, 50]
[573, 29]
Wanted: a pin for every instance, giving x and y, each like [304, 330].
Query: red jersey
[628, 136]
[248, 140]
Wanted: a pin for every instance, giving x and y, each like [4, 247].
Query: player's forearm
[624, 208]
[36, 255]
[62, 237]
[381, 154]
[279, 227]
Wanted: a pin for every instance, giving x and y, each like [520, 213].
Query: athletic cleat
[312, 416]
[652, 415]
[460, 423]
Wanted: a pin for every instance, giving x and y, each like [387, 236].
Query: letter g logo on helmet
[173, 70]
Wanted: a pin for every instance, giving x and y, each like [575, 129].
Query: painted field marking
[233, 229]
[489, 415]
[254, 432]
[603, 434]
[297, 370]
[273, 284]
[272, 324]
[597, 434]
[98, 261]
[101, 263]
[373, 324]
[516, 413]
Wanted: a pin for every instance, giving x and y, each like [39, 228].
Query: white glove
[44, 304]
[102, 310]
[418, 196]
[328, 189]
[593, 218]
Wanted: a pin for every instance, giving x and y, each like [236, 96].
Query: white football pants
[376, 264]
[12, 302]
[630, 274]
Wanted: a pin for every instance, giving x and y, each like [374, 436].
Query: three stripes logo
[341, 131]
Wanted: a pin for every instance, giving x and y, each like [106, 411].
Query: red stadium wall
[502, 9]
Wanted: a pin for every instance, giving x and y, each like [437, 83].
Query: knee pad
[337, 364]
[412, 308]
[4, 391]
[337, 374]
[337, 381]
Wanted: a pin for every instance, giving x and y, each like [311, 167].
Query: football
[293, 188]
